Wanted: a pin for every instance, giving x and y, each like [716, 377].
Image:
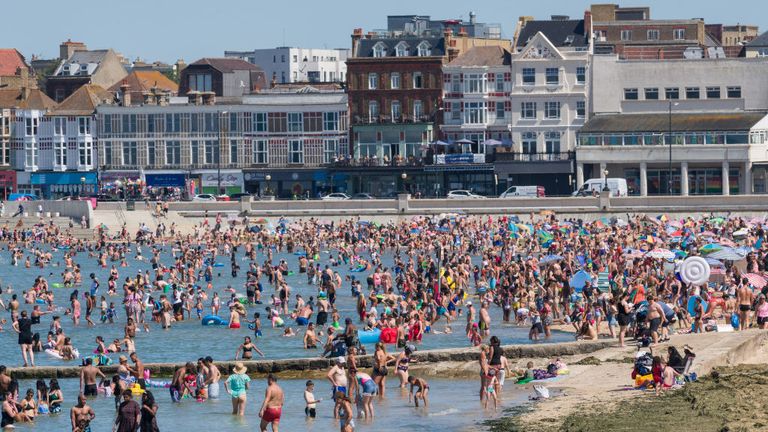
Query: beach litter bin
[130, 205]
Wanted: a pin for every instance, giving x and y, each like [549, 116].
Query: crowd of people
[413, 279]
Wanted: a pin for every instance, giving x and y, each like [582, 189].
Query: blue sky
[170, 29]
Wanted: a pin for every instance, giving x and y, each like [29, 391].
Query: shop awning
[65, 178]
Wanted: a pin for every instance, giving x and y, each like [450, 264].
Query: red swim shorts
[234, 325]
[272, 415]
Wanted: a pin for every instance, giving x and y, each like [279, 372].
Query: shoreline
[605, 383]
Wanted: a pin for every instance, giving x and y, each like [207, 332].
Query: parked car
[617, 187]
[336, 196]
[463, 194]
[204, 198]
[237, 196]
[222, 197]
[362, 196]
[523, 191]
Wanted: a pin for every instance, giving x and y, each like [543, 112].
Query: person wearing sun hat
[237, 387]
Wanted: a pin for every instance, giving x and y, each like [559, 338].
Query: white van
[617, 186]
[523, 191]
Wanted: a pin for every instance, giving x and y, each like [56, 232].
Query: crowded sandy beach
[233, 291]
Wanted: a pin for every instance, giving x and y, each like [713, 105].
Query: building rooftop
[561, 33]
[226, 65]
[144, 81]
[83, 101]
[36, 99]
[10, 61]
[682, 122]
[365, 47]
[483, 56]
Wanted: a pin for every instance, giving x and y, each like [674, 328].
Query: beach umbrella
[708, 234]
[259, 221]
[464, 141]
[363, 223]
[741, 233]
[549, 259]
[714, 263]
[254, 229]
[709, 248]
[679, 254]
[727, 254]
[756, 280]
[717, 220]
[580, 279]
[660, 253]
[440, 143]
[524, 227]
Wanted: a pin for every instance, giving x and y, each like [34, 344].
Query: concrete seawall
[310, 366]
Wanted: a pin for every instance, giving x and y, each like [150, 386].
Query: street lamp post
[404, 177]
[269, 188]
[82, 185]
[605, 184]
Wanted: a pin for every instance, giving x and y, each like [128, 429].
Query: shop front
[229, 182]
[7, 184]
[53, 185]
[166, 185]
[288, 184]
[121, 184]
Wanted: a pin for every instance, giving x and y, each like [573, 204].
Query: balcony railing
[534, 157]
[398, 161]
[387, 119]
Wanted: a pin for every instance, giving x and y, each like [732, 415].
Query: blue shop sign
[166, 180]
[65, 178]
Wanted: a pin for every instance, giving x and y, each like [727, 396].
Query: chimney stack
[588, 25]
[273, 83]
[125, 92]
[357, 34]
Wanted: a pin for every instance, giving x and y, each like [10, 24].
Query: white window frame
[295, 151]
[60, 153]
[499, 79]
[475, 112]
[548, 75]
[373, 111]
[528, 73]
[330, 150]
[475, 83]
[455, 110]
[552, 142]
[373, 81]
[401, 49]
[295, 122]
[552, 110]
[528, 142]
[331, 121]
[678, 34]
[31, 125]
[581, 72]
[261, 152]
[424, 49]
[260, 122]
[501, 110]
[528, 110]
[379, 50]
[396, 110]
[84, 125]
[127, 146]
[626, 35]
[581, 109]
[31, 153]
[418, 77]
[171, 157]
[59, 126]
[85, 153]
[653, 34]
[418, 110]
[394, 81]
[455, 83]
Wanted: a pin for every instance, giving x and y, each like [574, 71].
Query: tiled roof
[365, 48]
[84, 101]
[556, 31]
[226, 65]
[143, 81]
[11, 98]
[10, 60]
[680, 122]
[483, 56]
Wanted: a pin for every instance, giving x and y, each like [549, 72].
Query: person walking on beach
[745, 298]
[272, 407]
[81, 415]
[237, 386]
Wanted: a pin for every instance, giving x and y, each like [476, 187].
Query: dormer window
[379, 50]
[424, 50]
[401, 50]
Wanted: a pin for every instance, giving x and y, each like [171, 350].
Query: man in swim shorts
[272, 407]
[88, 378]
[745, 299]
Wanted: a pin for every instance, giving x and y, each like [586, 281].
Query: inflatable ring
[213, 320]
[695, 271]
[369, 336]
